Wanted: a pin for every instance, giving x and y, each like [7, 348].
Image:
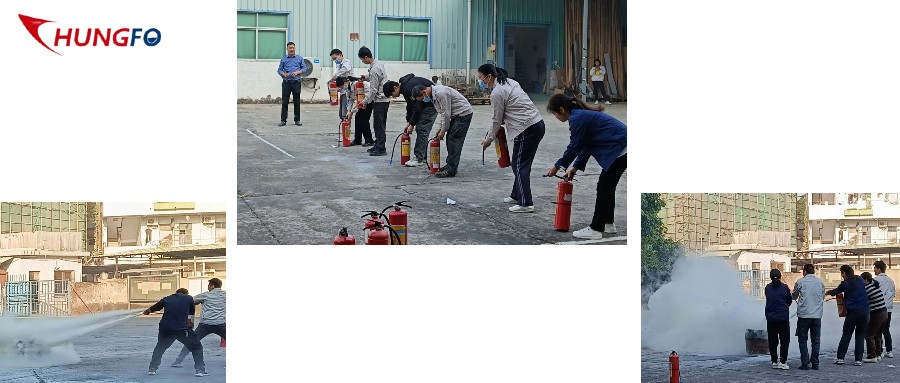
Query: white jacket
[598, 74]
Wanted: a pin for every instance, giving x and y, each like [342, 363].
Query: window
[261, 36]
[402, 40]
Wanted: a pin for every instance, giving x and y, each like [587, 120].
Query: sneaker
[857, 363]
[298, 123]
[608, 103]
[889, 354]
[152, 371]
[201, 373]
[444, 174]
[838, 361]
[596, 102]
[413, 163]
[609, 228]
[510, 200]
[815, 367]
[588, 233]
[521, 209]
[176, 364]
[370, 150]
[804, 368]
[282, 123]
[784, 366]
[776, 365]
[368, 144]
[378, 153]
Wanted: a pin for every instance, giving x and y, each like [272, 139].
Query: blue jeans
[807, 327]
[855, 324]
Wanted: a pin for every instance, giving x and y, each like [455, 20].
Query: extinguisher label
[401, 232]
[404, 149]
[567, 197]
[497, 148]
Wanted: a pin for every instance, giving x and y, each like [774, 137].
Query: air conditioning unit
[882, 224]
[209, 220]
[151, 221]
[313, 67]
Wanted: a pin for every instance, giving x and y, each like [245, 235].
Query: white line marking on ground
[270, 144]
[590, 241]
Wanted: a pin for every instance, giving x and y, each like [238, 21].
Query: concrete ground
[121, 353]
[295, 187]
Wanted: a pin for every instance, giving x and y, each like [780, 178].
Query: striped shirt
[876, 297]
[213, 306]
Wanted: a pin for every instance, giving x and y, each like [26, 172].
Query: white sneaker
[776, 365]
[521, 209]
[857, 363]
[596, 102]
[609, 228]
[784, 366]
[413, 163]
[510, 200]
[838, 361]
[588, 233]
[890, 354]
[871, 360]
[608, 103]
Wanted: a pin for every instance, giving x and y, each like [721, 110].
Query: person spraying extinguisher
[514, 117]
[592, 133]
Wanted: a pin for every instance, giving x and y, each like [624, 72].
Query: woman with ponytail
[592, 133]
[778, 325]
[524, 126]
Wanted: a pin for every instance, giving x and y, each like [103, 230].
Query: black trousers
[363, 129]
[886, 332]
[605, 206]
[525, 146]
[202, 331]
[187, 337]
[380, 110]
[289, 88]
[599, 90]
[779, 330]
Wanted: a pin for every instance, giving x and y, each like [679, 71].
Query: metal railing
[36, 298]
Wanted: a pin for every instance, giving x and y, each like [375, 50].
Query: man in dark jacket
[856, 302]
[778, 302]
[176, 324]
[419, 114]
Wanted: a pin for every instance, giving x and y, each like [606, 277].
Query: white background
[762, 96]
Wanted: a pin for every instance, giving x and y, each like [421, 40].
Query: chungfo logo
[83, 37]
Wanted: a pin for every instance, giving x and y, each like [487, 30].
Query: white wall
[257, 79]
[116, 209]
[45, 266]
[745, 260]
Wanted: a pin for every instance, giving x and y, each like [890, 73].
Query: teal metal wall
[311, 25]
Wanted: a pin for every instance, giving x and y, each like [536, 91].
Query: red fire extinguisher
[360, 94]
[674, 371]
[333, 92]
[379, 234]
[344, 239]
[563, 204]
[222, 343]
[345, 132]
[842, 310]
[404, 149]
[398, 220]
[371, 217]
[502, 149]
[434, 151]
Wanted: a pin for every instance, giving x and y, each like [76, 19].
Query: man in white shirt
[456, 115]
[811, 293]
[887, 288]
[212, 318]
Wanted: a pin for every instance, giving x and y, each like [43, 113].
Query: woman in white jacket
[524, 126]
[598, 73]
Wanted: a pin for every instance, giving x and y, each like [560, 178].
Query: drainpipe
[333, 32]
[495, 31]
[584, 48]
[469, 44]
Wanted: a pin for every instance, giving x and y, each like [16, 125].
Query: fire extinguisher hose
[394, 149]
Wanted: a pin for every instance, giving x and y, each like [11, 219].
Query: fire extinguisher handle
[369, 213]
[403, 203]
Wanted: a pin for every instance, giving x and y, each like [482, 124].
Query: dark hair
[775, 276]
[181, 291]
[216, 282]
[846, 269]
[499, 73]
[364, 52]
[880, 266]
[289, 43]
[389, 87]
[809, 268]
[561, 101]
[867, 276]
[340, 81]
[336, 51]
[596, 60]
[418, 90]
[434, 78]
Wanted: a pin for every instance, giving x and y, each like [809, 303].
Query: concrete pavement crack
[268, 229]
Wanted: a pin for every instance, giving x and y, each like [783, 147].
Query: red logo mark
[32, 24]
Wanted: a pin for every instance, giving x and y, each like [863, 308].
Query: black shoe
[298, 123]
[354, 144]
[282, 123]
[815, 367]
[378, 153]
[368, 144]
[370, 150]
[804, 368]
[444, 174]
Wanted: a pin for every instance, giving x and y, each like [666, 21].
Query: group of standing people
[592, 132]
[868, 301]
